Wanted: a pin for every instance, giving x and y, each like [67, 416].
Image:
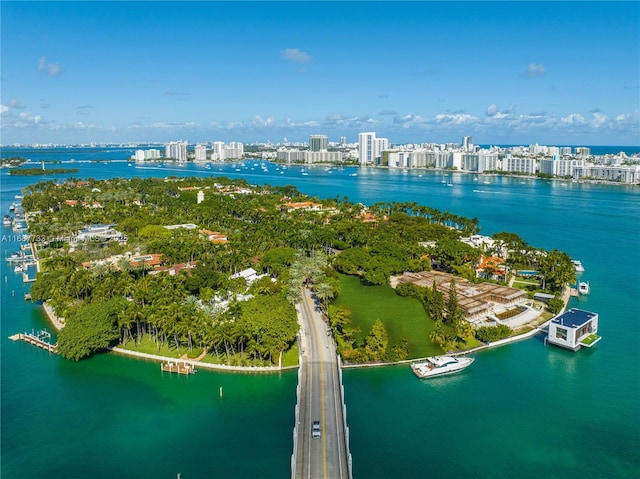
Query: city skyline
[501, 72]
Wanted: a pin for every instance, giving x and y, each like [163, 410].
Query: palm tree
[324, 292]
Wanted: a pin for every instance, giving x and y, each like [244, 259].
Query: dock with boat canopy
[178, 367]
[39, 339]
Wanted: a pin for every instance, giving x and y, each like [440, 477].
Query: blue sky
[503, 72]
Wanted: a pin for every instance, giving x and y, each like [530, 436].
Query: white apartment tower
[371, 147]
[367, 148]
[200, 153]
[218, 151]
[176, 150]
[234, 150]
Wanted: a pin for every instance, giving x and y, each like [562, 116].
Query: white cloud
[258, 121]
[13, 103]
[409, 121]
[29, 117]
[457, 119]
[573, 119]
[534, 70]
[598, 119]
[51, 69]
[630, 118]
[174, 125]
[492, 109]
[295, 55]
[493, 113]
[4, 109]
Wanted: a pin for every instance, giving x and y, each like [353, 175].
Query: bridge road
[320, 400]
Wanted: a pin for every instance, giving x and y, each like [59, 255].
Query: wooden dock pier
[36, 340]
[178, 367]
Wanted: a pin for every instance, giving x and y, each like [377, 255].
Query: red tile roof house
[214, 236]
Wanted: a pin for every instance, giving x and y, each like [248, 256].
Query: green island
[211, 268]
[12, 161]
[41, 172]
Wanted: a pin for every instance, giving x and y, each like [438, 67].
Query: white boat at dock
[577, 265]
[583, 287]
[440, 366]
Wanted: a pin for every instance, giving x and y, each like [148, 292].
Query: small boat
[440, 366]
[18, 269]
[353, 174]
[12, 207]
[577, 265]
[583, 287]
[7, 220]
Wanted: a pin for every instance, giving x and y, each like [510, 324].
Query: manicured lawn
[148, 346]
[290, 358]
[590, 339]
[402, 317]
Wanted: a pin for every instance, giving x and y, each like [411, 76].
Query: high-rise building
[382, 144]
[370, 147]
[318, 142]
[583, 151]
[367, 148]
[200, 153]
[467, 143]
[218, 151]
[343, 141]
[176, 150]
[565, 150]
[234, 150]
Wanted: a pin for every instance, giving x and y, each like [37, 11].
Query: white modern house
[573, 329]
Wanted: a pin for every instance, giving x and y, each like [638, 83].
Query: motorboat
[7, 220]
[577, 265]
[583, 287]
[440, 366]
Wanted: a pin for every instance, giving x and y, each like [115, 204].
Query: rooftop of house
[575, 318]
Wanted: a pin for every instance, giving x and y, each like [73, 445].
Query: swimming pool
[527, 272]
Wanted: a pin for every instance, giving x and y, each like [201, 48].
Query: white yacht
[440, 365]
[577, 265]
[583, 287]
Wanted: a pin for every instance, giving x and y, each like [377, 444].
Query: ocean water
[523, 410]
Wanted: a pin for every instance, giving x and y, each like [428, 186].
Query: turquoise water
[524, 410]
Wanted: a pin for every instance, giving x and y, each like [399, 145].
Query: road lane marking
[324, 436]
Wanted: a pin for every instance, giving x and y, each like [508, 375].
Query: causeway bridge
[320, 399]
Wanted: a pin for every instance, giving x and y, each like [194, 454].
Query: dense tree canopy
[193, 300]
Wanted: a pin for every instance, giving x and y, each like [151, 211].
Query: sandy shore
[200, 364]
[58, 323]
